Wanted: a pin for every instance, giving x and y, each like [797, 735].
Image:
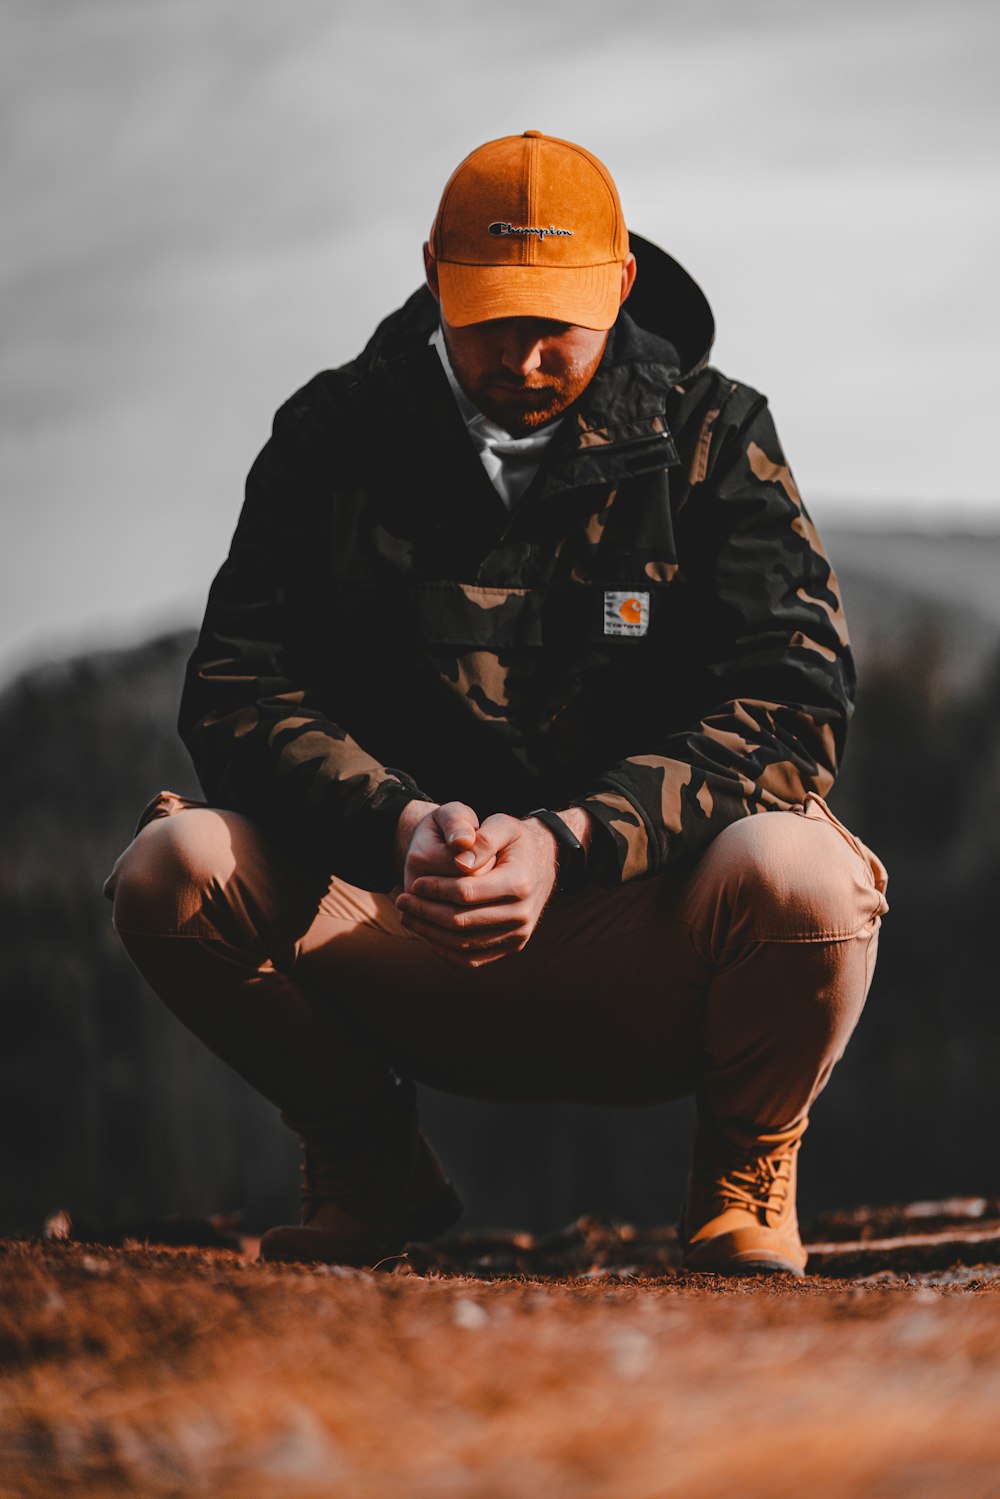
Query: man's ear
[431, 272]
[628, 278]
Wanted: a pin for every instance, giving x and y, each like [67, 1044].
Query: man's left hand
[478, 918]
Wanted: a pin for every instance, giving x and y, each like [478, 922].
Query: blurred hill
[110, 1109]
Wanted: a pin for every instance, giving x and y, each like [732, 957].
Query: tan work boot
[370, 1184]
[739, 1218]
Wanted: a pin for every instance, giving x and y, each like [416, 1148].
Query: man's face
[523, 372]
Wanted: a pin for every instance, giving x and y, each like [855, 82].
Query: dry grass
[164, 1372]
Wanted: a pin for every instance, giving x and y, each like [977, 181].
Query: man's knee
[785, 877]
[165, 878]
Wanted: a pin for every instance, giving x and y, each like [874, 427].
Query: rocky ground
[583, 1365]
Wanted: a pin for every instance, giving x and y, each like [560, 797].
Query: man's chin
[520, 417]
[530, 423]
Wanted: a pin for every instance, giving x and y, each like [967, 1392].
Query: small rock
[58, 1225]
[631, 1352]
[93, 1266]
[469, 1314]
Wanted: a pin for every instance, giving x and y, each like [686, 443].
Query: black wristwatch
[571, 866]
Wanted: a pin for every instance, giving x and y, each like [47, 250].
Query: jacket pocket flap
[471, 615]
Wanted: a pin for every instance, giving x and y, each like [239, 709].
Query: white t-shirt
[510, 462]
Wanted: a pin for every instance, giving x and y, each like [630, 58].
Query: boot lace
[325, 1177]
[760, 1184]
[337, 1152]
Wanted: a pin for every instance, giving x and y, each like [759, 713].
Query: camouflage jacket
[654, 633]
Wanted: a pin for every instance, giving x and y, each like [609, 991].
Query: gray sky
[208, 200]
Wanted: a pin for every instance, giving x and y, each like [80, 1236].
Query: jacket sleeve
[773, 672]
[251, 714]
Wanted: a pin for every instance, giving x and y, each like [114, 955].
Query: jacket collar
[618, 427]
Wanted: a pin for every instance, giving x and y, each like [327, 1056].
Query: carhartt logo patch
[625, 613]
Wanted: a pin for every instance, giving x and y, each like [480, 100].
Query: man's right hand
[438, 839]
[479, 920]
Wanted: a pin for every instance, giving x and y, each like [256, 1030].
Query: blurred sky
[208, 200]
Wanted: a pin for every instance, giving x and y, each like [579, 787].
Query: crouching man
[514, 706]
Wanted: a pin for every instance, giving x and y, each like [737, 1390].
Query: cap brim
[588, 296]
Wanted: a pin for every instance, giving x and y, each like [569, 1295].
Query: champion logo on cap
[501, 227]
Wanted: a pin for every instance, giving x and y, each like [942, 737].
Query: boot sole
[303, 1245]
[755, 1265]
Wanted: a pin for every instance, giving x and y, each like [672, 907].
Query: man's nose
[522, 356]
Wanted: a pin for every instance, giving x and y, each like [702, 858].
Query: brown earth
[585, 1365]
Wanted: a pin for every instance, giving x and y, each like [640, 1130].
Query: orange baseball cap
[530, 226]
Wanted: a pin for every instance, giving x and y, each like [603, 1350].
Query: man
[513, 705]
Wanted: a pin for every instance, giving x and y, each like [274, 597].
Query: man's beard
[521, 406]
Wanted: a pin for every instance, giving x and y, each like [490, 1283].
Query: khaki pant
[740, 982]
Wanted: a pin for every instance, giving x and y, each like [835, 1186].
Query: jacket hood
[668, 302]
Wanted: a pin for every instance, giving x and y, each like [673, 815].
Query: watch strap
[571, 864]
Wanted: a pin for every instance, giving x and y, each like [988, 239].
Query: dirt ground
[584, 1366]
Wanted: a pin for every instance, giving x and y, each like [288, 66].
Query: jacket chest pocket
[558, 618]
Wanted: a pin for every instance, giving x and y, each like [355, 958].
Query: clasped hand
[475, 891]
